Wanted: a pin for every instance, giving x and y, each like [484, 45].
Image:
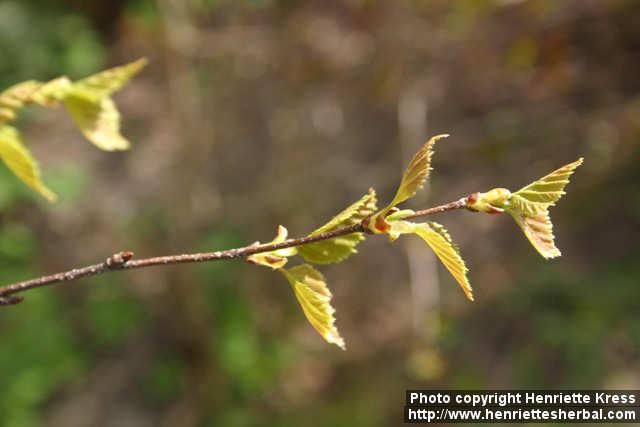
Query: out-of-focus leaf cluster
[89, 103]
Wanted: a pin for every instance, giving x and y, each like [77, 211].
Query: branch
[124, 261]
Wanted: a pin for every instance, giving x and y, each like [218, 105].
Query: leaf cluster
[309, 285]
[528, 206]
[88, 101]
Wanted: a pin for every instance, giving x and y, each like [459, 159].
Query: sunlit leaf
[99, 120]
[416, 173]
[106, 82]
[18, 158]
[438, 239]
[274, 259]
[94, 112]
[14, 98]
[339, 248]
[314, 297]
[530, 205]
[412, 180]
[539, 230]
[538, 196]
[51, 92]
[31, 92]
[88, 103]
[397, 228]
[353, 214]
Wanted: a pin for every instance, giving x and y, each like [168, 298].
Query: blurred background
[256, 113]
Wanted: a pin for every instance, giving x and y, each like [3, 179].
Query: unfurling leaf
[314, 297]
[538, 196]
[104, 83]
[412, 180]
[274, 259]
[14, 98]
[51, 92]
[416, 173]
[31, 92]
[539, 230]
[339, 248]
[18, 158]
[530, 205]
[491, 202]
[438, 239]
[94, 112]
[88, 103]
[99, 120]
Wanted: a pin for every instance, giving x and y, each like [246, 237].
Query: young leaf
[412, 180]
[538, 196]
[14, 98]
[339, 248]
[94, 112]
[438, 239]
[106, 82]
[314, 297]
[18, 158]
[353, 214]
[31, 91]
[99, 120]
[539, 230]
[51, 92]
[416, 173]
[530, 205]
[275, 259]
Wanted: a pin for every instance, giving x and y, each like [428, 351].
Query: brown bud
[382, 225]
[472, 198]
[118, 259]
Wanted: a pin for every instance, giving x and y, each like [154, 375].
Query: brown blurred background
[256, 113]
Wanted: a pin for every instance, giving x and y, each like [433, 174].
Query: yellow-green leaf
[51, 92]
[18, 158]
[412, 180]
[94, 112]
[97, 119]
[399, 227]
[314, 297]
[14, 98]
[438, 239]
[274, 259]
[538, 196]
[31, 91]
[353, 214]
[530, 205]
[416, 173]
[339, 248]
[106, 82]
[539, 230]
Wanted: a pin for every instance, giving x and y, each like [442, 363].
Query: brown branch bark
[124, 261]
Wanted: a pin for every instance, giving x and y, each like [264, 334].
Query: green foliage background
[258, 113]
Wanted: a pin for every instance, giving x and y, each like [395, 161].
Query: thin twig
[124, 261]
